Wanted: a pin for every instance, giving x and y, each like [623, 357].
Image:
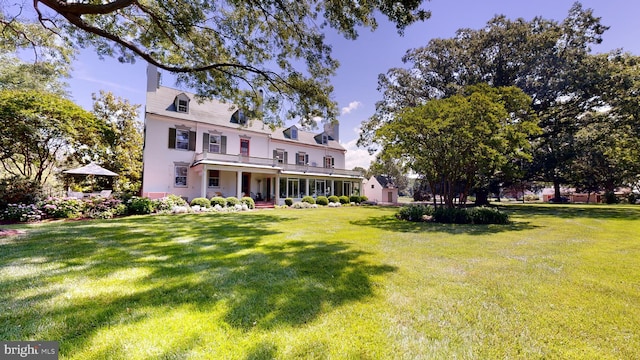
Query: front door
[246, 184]
[390, 196]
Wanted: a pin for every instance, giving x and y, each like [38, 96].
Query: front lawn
[352, 282]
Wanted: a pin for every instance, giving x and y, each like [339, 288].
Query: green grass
[560, 282]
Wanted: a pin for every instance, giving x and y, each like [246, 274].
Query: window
[373, 186]
[293, 190]
[302, 159]
[214, 143]
[294, 133]
[182, 139]
[321, 188]
[325, 139]
[214, 178]
[244, 147]
[329, 162]
[280, 156]
[181, 175]
[183, 106]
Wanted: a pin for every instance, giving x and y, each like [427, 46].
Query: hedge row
[477, 215]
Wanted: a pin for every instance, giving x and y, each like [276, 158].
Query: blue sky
[376, 52]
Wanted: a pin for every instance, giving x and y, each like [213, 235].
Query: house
[381, 189]
[195, 148]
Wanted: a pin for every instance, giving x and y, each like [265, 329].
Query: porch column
[277, 184]
[333, 189]
[203, 188]
[239, 184]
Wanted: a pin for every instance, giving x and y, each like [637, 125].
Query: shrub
[218, 200]
[202, 202]
[18, 190]
[288, 201]
[232, 201]
[415, 213]
[355, 199]
[343, 199]
[139, 206]
[485, 215]
[611, 198]
[303, 205]
[632, 198]
[167, 203]
[322, 200]
[363, 199]
[21, 213]
[451, 216]
[309, 200]
[334, 204]
[249, 202]
[63, 208]
[104, 208]
[531, 197]
[333, 199]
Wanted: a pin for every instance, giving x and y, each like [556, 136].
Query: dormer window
[182, 103]
[325, 139]
[238, 117]
[294, 133]
[183, 106]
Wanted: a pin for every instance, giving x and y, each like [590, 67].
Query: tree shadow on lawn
[194, 260]
[391, 223]
[595, 211]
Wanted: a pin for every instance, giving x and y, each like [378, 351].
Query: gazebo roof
[91, 169]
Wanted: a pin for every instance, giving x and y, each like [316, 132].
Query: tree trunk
[482, 197]
[556, 189]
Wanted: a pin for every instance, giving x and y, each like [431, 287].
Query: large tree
[542, 57]
[39, 129]
[120, 141]
[231, 50]
[455, 141]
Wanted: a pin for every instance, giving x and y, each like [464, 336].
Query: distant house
[381, 189]
[195, 148]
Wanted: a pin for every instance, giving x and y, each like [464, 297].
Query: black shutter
[205, 142]
[223, 144]
[275, 154]
[172, 138]
[306, 159]
[192, 140]
[285, 158]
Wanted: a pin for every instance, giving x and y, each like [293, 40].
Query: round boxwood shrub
[309, 200]
[355, 199]
[232, 201]
[139, 206]
[202, 202]
[363, 199]
[322, 200]
[249, 202]
[343, 199]
[333, 199]
[288, 201]
[218, 200]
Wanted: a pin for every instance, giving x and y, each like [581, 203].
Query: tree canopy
[231, 50]
[452, 141]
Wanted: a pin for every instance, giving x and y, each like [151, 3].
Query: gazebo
[91, 169]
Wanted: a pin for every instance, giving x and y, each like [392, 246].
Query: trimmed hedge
[343, 199]
[333, 199]
[249, 202]
[355, 199]
[309, 200]
[218, 200]
[288, 201]
[232, 201]
[322, 200]
[202, 202]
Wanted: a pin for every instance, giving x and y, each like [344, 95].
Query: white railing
[274, 163]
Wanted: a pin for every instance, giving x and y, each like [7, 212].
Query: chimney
[153, 78]
[333, 130]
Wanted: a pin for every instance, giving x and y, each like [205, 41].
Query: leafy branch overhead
[229, 49]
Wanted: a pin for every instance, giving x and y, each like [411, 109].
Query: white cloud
[352, 106]
[357, 156]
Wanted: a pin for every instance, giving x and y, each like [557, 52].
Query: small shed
[381, 189]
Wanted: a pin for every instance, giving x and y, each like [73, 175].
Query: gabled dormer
[238, 117]
[323, 138]
[181, 103]
[291, 133]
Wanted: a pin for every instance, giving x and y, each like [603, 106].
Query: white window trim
[178, 130]
[175, 175]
